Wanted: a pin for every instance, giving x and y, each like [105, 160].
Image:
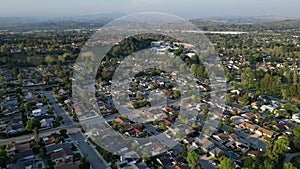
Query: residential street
[289, 156]
[94, 158]
[96, 161]
[27, 137]
[57, 109]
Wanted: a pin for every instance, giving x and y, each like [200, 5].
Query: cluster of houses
[57, 154]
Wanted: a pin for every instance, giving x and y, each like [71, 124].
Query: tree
[164, 127]
[193, 68]
[3, 151]
[249, 162]
[139, 95]
[295, 77]
[182, 67]
[272, 151]
[46, 78]
[84, 164]
[26, 106]
[15, 71]
[228, 77]
[2, 81]
[49, 59]
[276, 149]
[3, 162]
[184, 150]
[283, 144]
[176, 93]
[205, 110]
[36, 136]
[58, 118]
[50, 109]
[291, 108]
[297, 132]
[193, 159]
[31, 124]
[226, 163]
[268, 85]
[20, 78]
[267, 165]
[63, 132]
[245, 99]
[247, 78]
[155, 122]
[178, 51]
[289, 166]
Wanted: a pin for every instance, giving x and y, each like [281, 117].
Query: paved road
[27, 137]
[289, 156]
[67, 123]
[94, 158]
[57, 109]
[96, 161]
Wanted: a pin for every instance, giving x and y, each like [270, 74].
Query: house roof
[249, 115]
[166, 122]
[51, 139]
[223, 136]
[24, 154]
[266, 131]
[216, 151]
[17, 146]
[248, 125]
[232, 135]
[256, 153]
[61, 154]
[118, 120]
[51, 148]
[207, 143]
[180, 166]
[69, 165]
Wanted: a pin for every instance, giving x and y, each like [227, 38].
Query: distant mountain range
[99, 18]
[97, 21]
[241, 20]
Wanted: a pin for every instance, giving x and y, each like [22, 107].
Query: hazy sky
[183, 8]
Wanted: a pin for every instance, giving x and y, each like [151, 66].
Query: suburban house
[68, 165]
[249, 116]
[63, 155]
[46, 123]
[215, 151]
[208, 145]
[57, 147]
[50, 139]
[265, 132]
[39, 112]
[247, 125]
[135, 132]
[25, 155]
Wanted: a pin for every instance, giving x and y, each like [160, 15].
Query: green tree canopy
[193, 159]
[32, 123]
[226, 163]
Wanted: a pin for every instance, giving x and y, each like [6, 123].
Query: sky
[183, 8]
